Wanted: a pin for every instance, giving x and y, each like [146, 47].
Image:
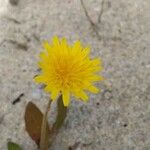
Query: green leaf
[33, 122]
[61, 114]
[13, 146]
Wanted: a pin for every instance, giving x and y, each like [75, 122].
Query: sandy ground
[118, 31]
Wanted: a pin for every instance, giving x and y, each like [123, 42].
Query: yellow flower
[68, 70]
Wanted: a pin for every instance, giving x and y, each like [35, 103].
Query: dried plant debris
[93, 25]
[101, 11]
[14, 2]
[74, 146]
[22, 46]
[18, 99]
[33, 122]
[77, 145]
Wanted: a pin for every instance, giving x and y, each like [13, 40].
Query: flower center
[64, 74]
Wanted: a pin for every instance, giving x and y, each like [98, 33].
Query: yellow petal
[42, 55]
[48, 88]
[40, 79]
[46, 46]
[81, 94]
[86, 51]
[54, 94]
[64, 42]
[96, 61]
[95, 78]
[93, 89]
[66, 97]
[77, 46]
[55, 41]
[40, 64]
[64, 46]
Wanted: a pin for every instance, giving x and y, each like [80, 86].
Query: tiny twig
[18, 99]
[43, 140]
[94, 26]
[101, 11]
[86, 13]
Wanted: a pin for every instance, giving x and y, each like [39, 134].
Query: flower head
[68, 69]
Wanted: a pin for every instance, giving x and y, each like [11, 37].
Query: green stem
[44, 138]
[61, 115]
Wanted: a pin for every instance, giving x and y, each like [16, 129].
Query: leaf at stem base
[33, 122]
[13, 146]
